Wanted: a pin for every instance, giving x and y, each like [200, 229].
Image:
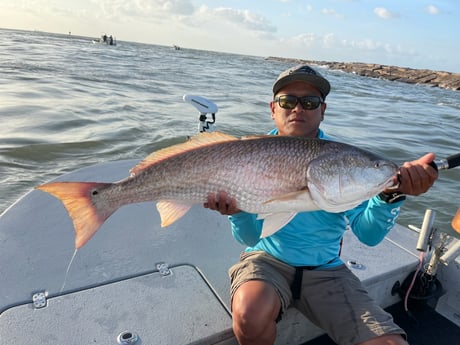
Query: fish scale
[192, 175]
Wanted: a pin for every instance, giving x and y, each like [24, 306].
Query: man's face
[298, 121]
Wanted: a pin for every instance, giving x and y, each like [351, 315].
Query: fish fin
[76, 198]
[170, 211]
[200, 140]
[274, 221]
[256, 136]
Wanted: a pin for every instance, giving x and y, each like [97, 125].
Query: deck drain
[355, 264]
[127, 338]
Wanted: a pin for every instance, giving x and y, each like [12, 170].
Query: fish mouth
[391, 183]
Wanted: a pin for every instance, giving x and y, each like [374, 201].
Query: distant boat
[176, 47]
[106, 39]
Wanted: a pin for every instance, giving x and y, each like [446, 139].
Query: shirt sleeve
[246, 228]
[372, 220]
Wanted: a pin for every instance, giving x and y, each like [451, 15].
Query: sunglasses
[307, 102]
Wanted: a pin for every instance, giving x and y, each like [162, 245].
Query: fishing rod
[446, 163]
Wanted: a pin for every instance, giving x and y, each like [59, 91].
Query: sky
[405, 33]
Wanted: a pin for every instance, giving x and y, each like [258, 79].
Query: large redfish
[273, 176]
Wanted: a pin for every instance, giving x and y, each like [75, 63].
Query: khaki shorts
[334, 299]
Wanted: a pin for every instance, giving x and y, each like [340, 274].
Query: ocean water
[66, 103]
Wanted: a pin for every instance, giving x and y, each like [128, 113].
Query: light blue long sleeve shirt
[314, 238]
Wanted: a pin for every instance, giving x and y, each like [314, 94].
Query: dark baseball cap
[302, 73]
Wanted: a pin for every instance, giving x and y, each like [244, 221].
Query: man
[300, 263]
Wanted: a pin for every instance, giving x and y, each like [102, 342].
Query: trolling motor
[422, 286]
[204, 107]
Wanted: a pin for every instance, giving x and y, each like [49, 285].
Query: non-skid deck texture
[424, 327]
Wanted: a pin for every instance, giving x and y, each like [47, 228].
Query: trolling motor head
[205, 107]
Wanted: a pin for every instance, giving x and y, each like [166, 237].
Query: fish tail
[77, 198]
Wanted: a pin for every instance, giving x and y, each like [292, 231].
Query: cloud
[181, 7]
[307, 39]
[144, 8]
[383, 13]
[331, 12]
[329, 41]
[312, 40]
[245, 18]
[431, 9]
[366, 44]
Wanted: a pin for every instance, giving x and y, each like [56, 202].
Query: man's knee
[251, 327]
[255, 308]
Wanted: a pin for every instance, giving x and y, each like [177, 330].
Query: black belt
[296, 285]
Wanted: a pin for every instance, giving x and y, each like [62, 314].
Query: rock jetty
[445, 80]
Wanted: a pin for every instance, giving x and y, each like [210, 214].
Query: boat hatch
[155, 308]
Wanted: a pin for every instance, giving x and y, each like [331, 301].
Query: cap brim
[318, 82]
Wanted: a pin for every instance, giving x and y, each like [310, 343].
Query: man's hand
[416, 177]
[222, 203]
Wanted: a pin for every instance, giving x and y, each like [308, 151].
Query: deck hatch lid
[178, 308]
